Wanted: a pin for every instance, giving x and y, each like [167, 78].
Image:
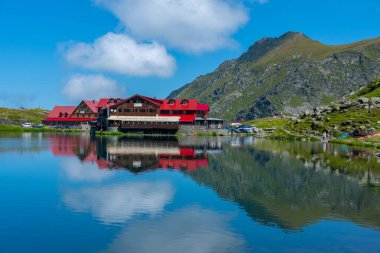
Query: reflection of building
[133, 154]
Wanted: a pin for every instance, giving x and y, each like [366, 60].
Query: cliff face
[289, 74]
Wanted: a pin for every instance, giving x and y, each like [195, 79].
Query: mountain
[285, 75]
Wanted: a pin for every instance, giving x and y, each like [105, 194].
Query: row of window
[136, 110]
[144, 123]
[182, 112]
[83, 116]
[185, 112]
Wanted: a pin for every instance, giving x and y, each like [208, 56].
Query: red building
[136, 113]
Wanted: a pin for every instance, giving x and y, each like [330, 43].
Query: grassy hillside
[17, 116]
[370, 91]
[286, 75]
[339, 117]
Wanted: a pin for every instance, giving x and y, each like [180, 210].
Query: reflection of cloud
[191, 230]
[118, 203]
[78, 171]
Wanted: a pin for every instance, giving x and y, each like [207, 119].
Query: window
[119, 110]
[171, 102]
[185, 102]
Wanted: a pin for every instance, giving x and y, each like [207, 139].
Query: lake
[76, 193]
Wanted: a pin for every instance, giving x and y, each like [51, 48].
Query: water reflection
[169, 195]
[117, 203]
[289, 185]
[185, 230]
[134, 154]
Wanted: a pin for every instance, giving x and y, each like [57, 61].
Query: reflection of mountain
[135, 154]
[276, 188]
[283, 184]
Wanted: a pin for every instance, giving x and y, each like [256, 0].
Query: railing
[148, 126]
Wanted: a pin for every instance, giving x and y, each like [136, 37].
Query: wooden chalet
[73, 116]
[137, 113]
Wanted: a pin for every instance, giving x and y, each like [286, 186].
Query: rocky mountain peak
[266, 45]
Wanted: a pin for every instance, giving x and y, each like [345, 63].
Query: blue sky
[56, 52]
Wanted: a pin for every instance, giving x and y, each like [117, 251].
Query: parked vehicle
[38, 126]
[27, 125]
[245, 129]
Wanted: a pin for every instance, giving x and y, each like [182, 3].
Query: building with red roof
[136, 113]
[59, 115]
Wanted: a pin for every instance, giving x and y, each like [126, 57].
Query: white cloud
[118, 203]
[91, 87]
[190, 25]
[188, 230]
[78, 171]
[121, 54]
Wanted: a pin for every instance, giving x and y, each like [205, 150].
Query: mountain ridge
[287, 74]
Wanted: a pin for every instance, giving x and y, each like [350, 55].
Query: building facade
[136, 113]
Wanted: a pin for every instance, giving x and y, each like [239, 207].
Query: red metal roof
[104, 102]
[92, 105]
[155, 101]
[61, 109]
[203, 107]
[178, 105]
[68, 119]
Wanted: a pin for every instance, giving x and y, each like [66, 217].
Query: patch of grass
[358, 116]
[17, 115]
[370, 91]
[268, 122]
[373, 142]
[325, 100]
[19, 129]
[281, 134]
[295, 102]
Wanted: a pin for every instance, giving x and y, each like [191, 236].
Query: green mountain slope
[17, 116]
[289, 74]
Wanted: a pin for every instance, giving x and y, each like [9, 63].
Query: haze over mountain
[288, 74]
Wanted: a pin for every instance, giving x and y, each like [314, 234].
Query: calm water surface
[76, 193]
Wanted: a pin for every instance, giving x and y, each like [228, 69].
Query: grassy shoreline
[372, 142]
[19, 129]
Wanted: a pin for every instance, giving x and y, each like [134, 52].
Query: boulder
[347, 123]
[363, 100]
